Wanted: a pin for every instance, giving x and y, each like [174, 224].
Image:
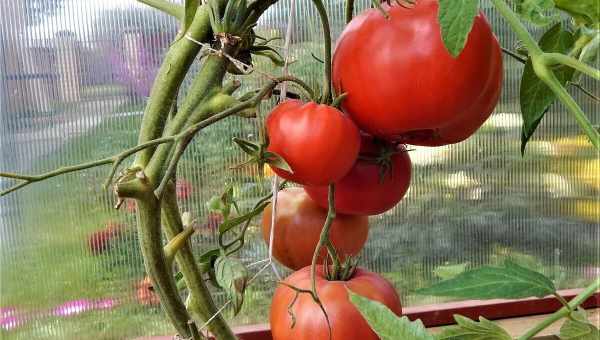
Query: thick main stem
[563, 312]
[208, 79]
[201, 301]
[150, 239]
[177, 62]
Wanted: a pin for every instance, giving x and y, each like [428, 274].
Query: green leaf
[230, 223]
[232, 276]
[387, 324]
[509, 282]
[587, 10]
[536, 11]
[222, 203]
[247, 146]
[450, 271]
[579, 330]
[456, 20]
[277, 161]
[270, 53]
[467, 329]
[535, 96]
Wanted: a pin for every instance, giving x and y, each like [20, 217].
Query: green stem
[208, 79]
[175, 66]
[563, 312]
[522, 33]
[166, 7]
[324, 240]
[543, 72]
[349, 10]
[202, 303]
[150, 238]
[327, 95]
[548, 77]
[551, 59]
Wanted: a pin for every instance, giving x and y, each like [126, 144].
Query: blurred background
[74, 79]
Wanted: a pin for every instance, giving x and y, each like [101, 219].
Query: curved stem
[201, 302]
[324, 240]
[165, 6]
[150, 238]
[349, 10]
[175, 66]
[548, 77]
[327, 36]
[552, 59]
[517, 26]
[563, 312]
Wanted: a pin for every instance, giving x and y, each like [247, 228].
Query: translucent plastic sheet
[74, 79]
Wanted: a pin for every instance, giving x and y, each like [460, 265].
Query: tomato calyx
[382, 158]
[344, 272]
[260, 156]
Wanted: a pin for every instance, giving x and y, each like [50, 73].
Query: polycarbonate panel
[75, 76]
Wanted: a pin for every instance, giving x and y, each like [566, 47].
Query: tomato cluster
[402, 86]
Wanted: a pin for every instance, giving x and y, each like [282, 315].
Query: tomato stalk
[200, 302]
[327, 95]
[542, 63]
[349, 10]
[563, 312]
[325, 241]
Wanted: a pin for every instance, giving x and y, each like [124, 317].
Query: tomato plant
[319, 142]
[420, 72]
[308, 321]
[298, 224]
[422, 95]
[376, 183]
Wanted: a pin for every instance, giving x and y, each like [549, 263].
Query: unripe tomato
[319, 142]
[403, 84]
[371, 187]
[346, 321]
[298, 225]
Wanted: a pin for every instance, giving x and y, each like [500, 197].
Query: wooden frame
[441, 314]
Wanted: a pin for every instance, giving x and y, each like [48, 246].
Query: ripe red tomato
[145, 294]
[346, 321]
[403, 84]
[318, 141]
[370, 188]
[183, 189]
[298, 224]
[99, 241]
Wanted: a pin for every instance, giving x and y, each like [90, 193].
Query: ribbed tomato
[346, 321]
[298, 224]
[403, 84]
[319, 142]
[374, 185]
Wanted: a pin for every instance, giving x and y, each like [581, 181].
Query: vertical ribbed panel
[74, 79]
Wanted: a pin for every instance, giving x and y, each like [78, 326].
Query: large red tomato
[346, 321]
[404, 85]
[298, 224]
[318, 141]
[371, 187]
